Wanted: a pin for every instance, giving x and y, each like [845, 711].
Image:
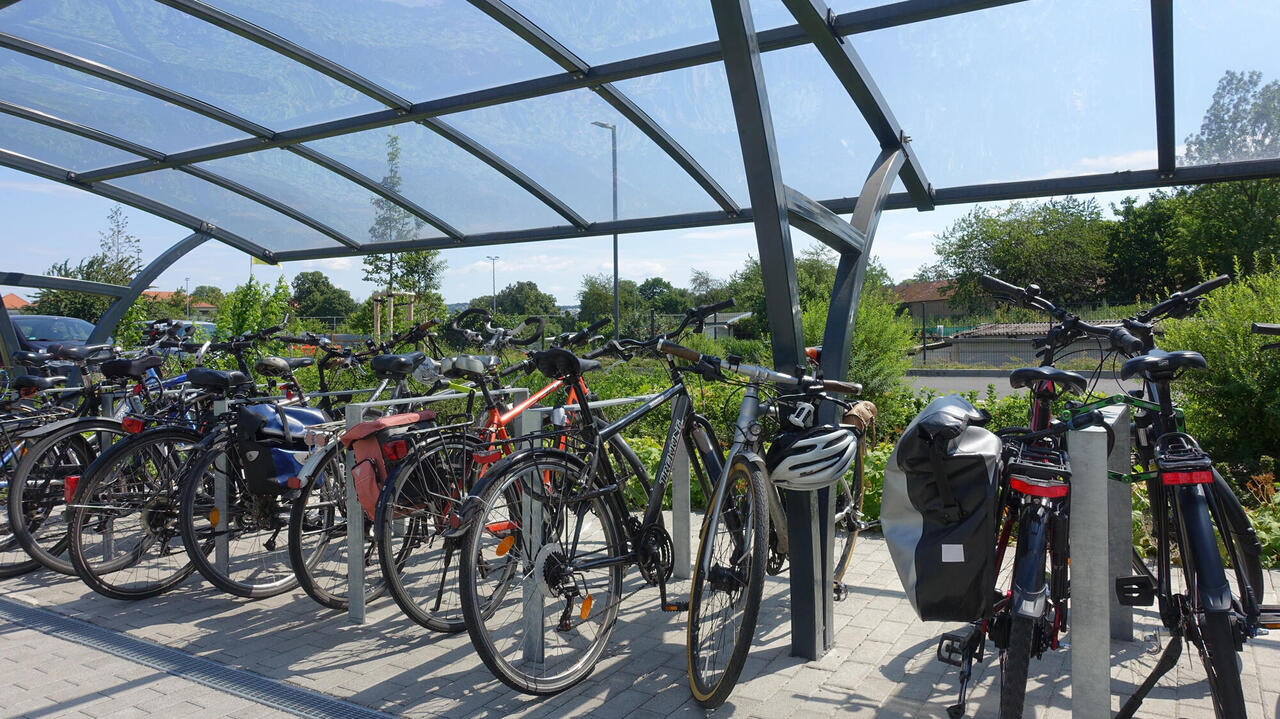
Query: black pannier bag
[272, 444]
[939, 511]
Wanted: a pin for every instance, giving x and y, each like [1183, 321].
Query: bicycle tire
[1015, 663]
[318, 536]
[717, 574]
[414, 505]
[37, 511]
[848, 517]
[1221, 661]
[261, 568]
[1249, 549]
[494, 593]
[139, 476]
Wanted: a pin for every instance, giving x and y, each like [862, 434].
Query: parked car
[37, 332]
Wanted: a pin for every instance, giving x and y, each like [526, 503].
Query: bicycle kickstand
[959, 649]
[1167, 661]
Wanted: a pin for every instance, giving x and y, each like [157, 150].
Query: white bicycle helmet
[811, 459]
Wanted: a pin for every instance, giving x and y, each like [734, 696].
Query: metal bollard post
[681, 524]
[221, 549]
[355, 530]
[534, 640]
[1120, 519]
[1091, 586]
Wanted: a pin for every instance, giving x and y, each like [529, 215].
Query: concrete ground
[882, 665]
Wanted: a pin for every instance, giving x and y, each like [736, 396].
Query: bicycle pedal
[840, 592]
[1135, 591]
[953, 646]
[675, 607]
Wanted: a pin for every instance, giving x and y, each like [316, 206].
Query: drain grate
[254, 687]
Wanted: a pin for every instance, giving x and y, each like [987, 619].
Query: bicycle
[510, 571]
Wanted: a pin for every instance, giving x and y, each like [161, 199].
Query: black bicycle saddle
[1159, 365]
[1066, 381]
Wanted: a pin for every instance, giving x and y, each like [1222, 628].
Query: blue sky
[1036, 89]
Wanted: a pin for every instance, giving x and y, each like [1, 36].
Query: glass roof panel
[693, 105]
[600, 31]
[77, 97]
[304, 186]
[553, 140]
[825, 148]
[57, 147]
[444, 179]
[1025, 91]
[225, 209]
[182, 53]
[420, 49]
[1210, 40]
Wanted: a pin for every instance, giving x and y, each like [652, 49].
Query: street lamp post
[613, 136]
[493, 264]
[186, 296]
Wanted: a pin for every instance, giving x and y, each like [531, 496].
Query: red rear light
[1037, 488]
[133, 425]
[395, 450]
[69, 487]
[137, 388]
[293, 483]
[1195, 476]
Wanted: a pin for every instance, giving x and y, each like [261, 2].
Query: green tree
[207, 293]
[417, 271]
[1241, 123]
[706, 288]
[1138, 247]
[116, 243]
[117, 262]
[315, 296]
[661, 296]
[1060, 245]
[254, 306]
[522, 298]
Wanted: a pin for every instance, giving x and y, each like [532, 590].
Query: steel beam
[76, 128]
[263, 136]
[269, 202]
[526, 30]
[877, 18]
[814, 16]
[764, 179]
[9, 341]
[1162, 56]
[823, 224]
[47, 282]
[146, 204]
[107, 323]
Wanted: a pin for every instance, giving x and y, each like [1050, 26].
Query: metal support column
[107, 324]
[741, 50]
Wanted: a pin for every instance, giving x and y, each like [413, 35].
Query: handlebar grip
[600, 351]
[1265, 329]
[992, 284]
[841, 387]
[680, 351]
[705, 310]
[541, 323]
[1124, 341]
[1207, 286]
[1092, 418]
[468, 312]
[425, 326]
[296, 340]
[522, 366]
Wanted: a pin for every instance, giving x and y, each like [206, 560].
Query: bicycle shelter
[264, 128]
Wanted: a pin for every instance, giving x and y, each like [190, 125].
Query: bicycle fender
[1213, 589]
[315, 460]
[47, 429]
[471, 505]
[1030, 591]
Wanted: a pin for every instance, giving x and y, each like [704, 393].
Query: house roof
[203, 306]
[161, 295]
[1019, 329]
[14, 302]
[921, 291]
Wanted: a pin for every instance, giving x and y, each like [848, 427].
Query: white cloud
[1132, 160]
[44, 188]
[919, 235]
[331, 264]
[720, 233]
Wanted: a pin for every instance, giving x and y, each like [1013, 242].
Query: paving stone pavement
[883, 663]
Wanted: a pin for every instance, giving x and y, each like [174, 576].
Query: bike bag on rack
[272, 443]
[368, 442]
[939, 511]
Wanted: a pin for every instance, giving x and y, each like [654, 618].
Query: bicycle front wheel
[848, 518]
[542, 573]
[728, 581]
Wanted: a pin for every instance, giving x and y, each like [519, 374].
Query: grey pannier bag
[939, 511]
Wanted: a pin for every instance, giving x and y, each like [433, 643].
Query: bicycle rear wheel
[420, 565]
[1221, 658]
[254, 561]
[318, 535]
[728, 581]
[37, 509]
[848, 518]
[538, 615]
[123, 527]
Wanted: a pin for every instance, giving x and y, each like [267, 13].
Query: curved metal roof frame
[815, 25]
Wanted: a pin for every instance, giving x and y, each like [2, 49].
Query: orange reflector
[132, 425]
[586, 608]
[213, 517]
[1198, 476]
[505, 545]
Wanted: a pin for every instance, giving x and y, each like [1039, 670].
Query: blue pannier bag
[271, 442]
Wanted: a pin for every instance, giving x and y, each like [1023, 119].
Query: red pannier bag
[369, 441]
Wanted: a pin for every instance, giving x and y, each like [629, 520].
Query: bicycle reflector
[1181, 461]
[69, 487]
[1039, 471]
[395, 450]
[132, 425]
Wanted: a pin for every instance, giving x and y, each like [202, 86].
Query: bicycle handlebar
[1179, 301]
[540, 322]
[585, 334]
[1264, 329]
